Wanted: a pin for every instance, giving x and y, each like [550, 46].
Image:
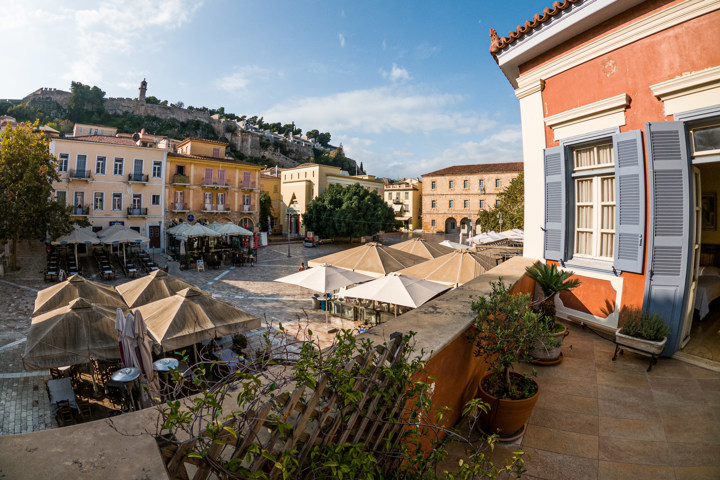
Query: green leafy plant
[239, 343]
[506, 329]
[635, 323]
[551, 282]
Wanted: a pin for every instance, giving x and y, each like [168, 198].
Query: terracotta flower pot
[506, 417]
[543, 354]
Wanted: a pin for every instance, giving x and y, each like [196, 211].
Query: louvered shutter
[246, 179]
[555, 203]
[629, 201]
[670, 217]
[208, 176]
[221, 176]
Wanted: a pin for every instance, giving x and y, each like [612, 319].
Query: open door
[694, 257]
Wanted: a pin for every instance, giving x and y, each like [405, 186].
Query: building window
[497, 183]
[137, 201]
[432, 223]
[61, 197]
[117, 201]
[451, 204]
[155, 199]
[180, 170]
[246, 199]
[407, 195]
[216, 152]
[157, 169]
[451, 184]
[466, 203]
[594, 201]
[99, 201]
[432, 185]
[433, 204]
[706, 140]
[482, 203]
[63, 162]
[466, 183]
[497, 203]
[482, 185]
[100, 165]
[118, 166]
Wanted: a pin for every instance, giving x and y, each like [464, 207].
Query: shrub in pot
[646, 333]
[506, 328]
[551, 281]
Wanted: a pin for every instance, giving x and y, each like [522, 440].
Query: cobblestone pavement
[24, 405]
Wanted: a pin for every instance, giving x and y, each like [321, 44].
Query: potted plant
[551, 281]
[642, 332]
[506, 328]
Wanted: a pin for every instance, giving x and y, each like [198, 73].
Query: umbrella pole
[327, 309]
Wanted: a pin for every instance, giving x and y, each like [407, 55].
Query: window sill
[590, 265]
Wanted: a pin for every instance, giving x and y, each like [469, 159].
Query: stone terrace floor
[601, 419]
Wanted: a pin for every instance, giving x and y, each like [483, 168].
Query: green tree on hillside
[351, 211]
[511, 208]
[27, 173]
[86, 104]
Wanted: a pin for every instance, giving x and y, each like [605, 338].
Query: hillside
[247, 141]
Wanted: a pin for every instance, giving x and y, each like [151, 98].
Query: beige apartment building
[302, 184]
[405, 198]
[110, 180]
[453, 197]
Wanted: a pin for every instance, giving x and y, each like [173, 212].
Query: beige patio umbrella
[61, 294]
[150, 288]
[371, 259]
[397, 289]
[422, 248]
[124, 236]
[76, 236]
[191, 316]
[75, 333]
[453, 269]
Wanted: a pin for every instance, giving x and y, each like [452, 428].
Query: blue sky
[408, 87]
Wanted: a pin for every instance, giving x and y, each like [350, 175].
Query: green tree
[351, 211]
[86, 104]
[152, 100]
[324, 139]
[511, 208]
[27, 172]
[312, 133]
[265, 212]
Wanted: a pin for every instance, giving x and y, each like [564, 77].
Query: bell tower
[143, 89]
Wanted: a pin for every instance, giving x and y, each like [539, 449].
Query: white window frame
[116, 196]
[482, 203]
[466, 184]
[63, 162]
[118, 162]
[100, 165]
[451, 184]
[101, 196]
[451, 203]
[466, 203]
[433, 203]
[157, 169]
[432, 185]
[498, 183]
[155, 199]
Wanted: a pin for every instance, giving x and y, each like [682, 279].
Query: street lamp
[288, 232]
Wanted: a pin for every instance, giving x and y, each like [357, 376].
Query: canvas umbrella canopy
[191, 316]
[455, 245]
[230, 229]
[78, 235]
[197, 230]
[110, 230]
[397, 289]
[179, 228]
[453, 269]
[150, 288]
[371, 259]
[61, 294]
[422, 248]
[123, 236]
[75, 333]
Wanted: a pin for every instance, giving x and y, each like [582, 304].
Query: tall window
[63, 162]
[497, 183]
[221, 199]
[407, 195]
[208, 200]
[482, 203]
[594, 201]
[246, 199]
[118, 166]
[466, 183]
[157, 169]
[466, 203]
[100, 165]
[432, 185]
[155, 199]
[482, 185]
[451, 184]
[117, 201]
[389, 195]
[433, 204]
[137, 201]
[432, 223]
[497, 203]
[451, 204]
[98, 201]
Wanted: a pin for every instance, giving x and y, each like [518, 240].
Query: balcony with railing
[216, 207]
[248, 186]
[137, 178]
[179, 207]
[181, 179]
[248, 208]
[74, 174]
[137, 212]
[206, 184]
[80, 210]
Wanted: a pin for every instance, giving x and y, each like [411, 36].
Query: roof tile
[479, 168]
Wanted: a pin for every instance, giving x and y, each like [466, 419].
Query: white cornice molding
[685, 84]
[657, 22]
[538, 86]
[602, 108]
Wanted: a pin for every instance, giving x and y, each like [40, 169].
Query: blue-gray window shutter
[670, 214]
[629, 201]
[555, 203]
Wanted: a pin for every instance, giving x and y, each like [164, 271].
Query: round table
[165, 364]
[126, 375]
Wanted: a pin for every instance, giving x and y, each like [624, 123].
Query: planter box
[640, 344]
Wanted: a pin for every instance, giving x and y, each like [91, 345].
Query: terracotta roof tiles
[104, 139]
[217, 159]
[498, 43]
[509, 167]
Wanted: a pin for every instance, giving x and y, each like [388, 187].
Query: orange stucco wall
[630, 70]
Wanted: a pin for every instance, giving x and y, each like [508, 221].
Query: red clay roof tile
[479, 168]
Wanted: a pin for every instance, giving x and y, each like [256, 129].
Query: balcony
[181, 179]
[137, 178]
[214, 185]
[80, 210]
[79, 175]
[248, 208]
[215, 207]
[248, 186]
[179, 207]
[397, 201]
[136, 212]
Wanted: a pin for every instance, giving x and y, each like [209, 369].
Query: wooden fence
[318, 417]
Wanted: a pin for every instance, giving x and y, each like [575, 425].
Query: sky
[407, 87]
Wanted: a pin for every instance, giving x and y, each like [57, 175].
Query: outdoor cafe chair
[85, 409]
[64, 414]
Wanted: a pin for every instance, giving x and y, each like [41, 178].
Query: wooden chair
[64, 414]
[55, 373]
[85, 409]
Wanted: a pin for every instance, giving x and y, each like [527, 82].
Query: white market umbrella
[230, 229]
[197, 230]
[110, 230]
[398, 289]
[123, 236]
[455, 245]
[78, 235]
[179, 228]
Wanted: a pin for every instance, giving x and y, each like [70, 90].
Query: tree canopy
[351, 211]
[27, 172]
[511, 208]
[86, 104]
[265, 212]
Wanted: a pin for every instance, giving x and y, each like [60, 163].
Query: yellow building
[302, 184]
[110, 180]
[405, 198]
[203, 185]
[270, 184]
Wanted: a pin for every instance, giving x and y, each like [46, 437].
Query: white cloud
[381, 110]
[238, 82]
[425, 50]
[397, 74]
[341, 37]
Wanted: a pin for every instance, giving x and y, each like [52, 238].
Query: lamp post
[288, 232]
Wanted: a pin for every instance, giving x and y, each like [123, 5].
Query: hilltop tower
[143, 89]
